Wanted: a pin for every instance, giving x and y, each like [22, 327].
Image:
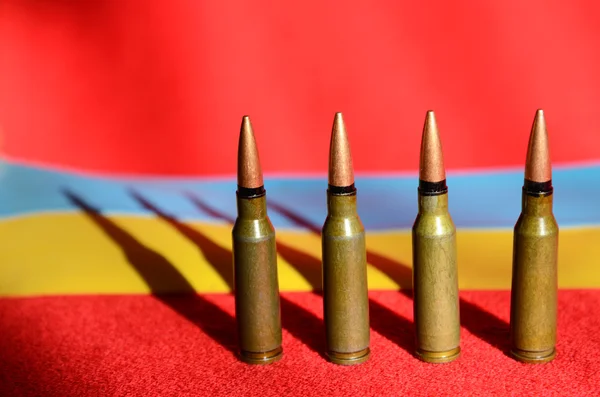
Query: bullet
[257, 308]
[345, 294]
[534, 290]
[435, 278]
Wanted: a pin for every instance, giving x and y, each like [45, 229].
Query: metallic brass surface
[345, 295]
[349, 358]
[261, 358]
[533, 306]
[534, 357]
[438, 357]
[431, 167]
[435, 281]
[257, 308]
[249, 170]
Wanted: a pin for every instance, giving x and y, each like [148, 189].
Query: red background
[160, 87]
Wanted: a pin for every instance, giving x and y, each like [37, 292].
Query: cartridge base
[533, 357]
[349, 358]
[262, 357]
[438, 357]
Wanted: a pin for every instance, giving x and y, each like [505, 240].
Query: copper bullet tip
[431, 168]
[538, 167]
[249, 172]
[340, 159]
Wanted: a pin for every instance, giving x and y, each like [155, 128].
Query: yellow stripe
[70, 254]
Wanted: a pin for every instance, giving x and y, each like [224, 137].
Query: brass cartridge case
[345, 293]
[257, 306]
[435, 281]
[533, 306]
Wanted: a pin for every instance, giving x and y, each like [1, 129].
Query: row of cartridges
[533, 310]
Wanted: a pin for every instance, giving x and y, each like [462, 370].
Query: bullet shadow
[383, 320]
[207, 209]
[218, 257]
[310, 330]
[163, 278]
[479, 322]
[401, 274]
[303, 325]
[485, 325]
[312, 269]
[299, 322]
[394, 327]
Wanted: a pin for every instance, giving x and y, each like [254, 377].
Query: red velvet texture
[183, 345]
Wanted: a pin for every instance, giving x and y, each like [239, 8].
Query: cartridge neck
[537, 205]
[432, 188]
[537, 197]
[252, 208]
[538, 189]
[341, 205]
[437, 204]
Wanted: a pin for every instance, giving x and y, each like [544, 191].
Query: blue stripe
[476, 200]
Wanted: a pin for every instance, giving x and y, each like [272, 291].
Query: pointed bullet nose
[431, 167]
[341, 172]
[338, 119]
[538, 167]
[249, 172]
[430, 122]
[246, 125]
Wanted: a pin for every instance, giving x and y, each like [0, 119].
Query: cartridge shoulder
[531, 225]
[253, 228]
[434, 225]
[343, 226]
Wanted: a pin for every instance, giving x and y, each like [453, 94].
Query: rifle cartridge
[435, 275]
[534, 292]
[256, 285]
[345, 290]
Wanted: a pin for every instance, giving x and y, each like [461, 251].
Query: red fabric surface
[152, 86]
[145, 346]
